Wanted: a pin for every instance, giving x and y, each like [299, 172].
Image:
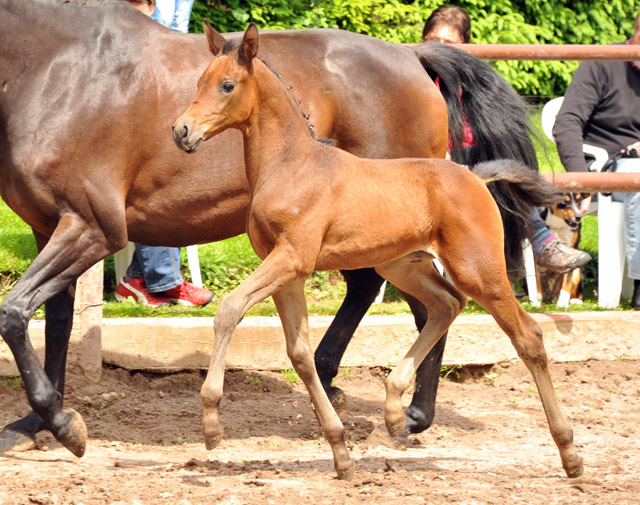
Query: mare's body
[87, 97]
[316, 207]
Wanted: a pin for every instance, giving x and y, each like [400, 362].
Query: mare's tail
[496, 114]
[516, 189]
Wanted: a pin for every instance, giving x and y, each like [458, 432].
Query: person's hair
[150, 3]
[456, 17]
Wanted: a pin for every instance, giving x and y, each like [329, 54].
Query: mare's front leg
[278, 269]
[73, 248]
[292, 308]
[20, 435]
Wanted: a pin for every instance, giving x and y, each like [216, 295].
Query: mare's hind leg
[416, 275]
[72, 249]
[292, 309]
[362, 287]
[20, 435]
[483, 277]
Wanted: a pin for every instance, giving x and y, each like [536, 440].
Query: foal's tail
[473, 91]
[516, 189]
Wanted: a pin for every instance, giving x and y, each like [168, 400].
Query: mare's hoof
[347, 473]
[74, 435]
[339, 401]
[380, 437]
[574, 469]
[14, 441]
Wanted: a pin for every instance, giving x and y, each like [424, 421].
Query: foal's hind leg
[483, 277]
[292, 309]
[416, 275]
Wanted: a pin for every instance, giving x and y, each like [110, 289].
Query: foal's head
[226, 91]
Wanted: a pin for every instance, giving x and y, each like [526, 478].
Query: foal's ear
[216, 41]
[249, 48]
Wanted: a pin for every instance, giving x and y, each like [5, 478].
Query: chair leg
[611, 252]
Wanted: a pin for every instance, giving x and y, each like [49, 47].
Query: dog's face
[569, 209]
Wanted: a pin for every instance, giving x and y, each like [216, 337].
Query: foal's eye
[228, 87]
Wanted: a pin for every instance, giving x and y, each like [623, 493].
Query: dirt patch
[489, 443]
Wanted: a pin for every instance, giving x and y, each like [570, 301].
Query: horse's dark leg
[73, 248]
[422, 409]
[362, 288]
[20, 435]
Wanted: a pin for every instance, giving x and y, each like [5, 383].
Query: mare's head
[226, 91]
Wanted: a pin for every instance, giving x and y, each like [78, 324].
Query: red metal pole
[551, 51]
[593, 182]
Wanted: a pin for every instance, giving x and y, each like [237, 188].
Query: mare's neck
[276, 135]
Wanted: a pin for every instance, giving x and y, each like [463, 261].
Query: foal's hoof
[395, 428]
[348, 472]
[380, 437]
[339, 401]
[74, 435]
[575, 468]
[14, 441]
[213, 439]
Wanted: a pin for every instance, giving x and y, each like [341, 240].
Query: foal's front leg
[292, 308]
[275, 272]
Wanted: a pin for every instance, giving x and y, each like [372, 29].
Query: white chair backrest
[548, 118]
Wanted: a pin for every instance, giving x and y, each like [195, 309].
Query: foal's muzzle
[185, 137]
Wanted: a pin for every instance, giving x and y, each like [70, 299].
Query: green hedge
[493, 21]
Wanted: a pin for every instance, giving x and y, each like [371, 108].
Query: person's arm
[581, 99]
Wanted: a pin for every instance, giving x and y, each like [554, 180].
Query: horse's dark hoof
[13, 441]
[74, 435]
[339, 401]
[380, 436]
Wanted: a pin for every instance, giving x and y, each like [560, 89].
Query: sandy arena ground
[489, 444]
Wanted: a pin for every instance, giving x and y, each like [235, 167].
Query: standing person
[452, 25]
[153, 277]
[601, 107]
[174, 14]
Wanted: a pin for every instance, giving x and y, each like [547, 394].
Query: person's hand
[584, 205]
[634, 147]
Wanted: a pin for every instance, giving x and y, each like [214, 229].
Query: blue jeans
[173, 14]
[631, 218]
[158, 266]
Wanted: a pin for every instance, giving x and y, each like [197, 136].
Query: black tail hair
[497, 115]
[516, 189]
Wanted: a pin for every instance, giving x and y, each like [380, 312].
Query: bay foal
[315, 207]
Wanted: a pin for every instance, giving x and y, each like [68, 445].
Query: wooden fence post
[85, 347]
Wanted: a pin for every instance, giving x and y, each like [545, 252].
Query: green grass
[226, 264]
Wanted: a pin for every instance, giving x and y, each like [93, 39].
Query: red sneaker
[134, 287]
[188, 294]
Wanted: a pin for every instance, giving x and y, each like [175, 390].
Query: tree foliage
[493, 22]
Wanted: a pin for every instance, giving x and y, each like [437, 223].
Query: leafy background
[493, 22]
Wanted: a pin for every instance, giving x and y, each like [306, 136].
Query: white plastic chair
[612, 280]
[123, 257]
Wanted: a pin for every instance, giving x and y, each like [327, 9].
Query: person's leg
[550, 253]
[181, 15]
[163, 13]
[632, 229]
[160, 267]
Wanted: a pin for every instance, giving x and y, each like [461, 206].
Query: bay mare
[88, 94]
[311, 209]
